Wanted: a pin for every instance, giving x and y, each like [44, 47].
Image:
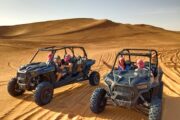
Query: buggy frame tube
[53, 50]
[137, 54]
[34, 56]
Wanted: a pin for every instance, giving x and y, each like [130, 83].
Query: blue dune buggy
[41, 76]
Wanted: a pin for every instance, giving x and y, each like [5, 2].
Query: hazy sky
[162, 13]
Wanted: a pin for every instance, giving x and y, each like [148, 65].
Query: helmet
[140, 63]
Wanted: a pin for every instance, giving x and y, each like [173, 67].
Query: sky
[161, 13]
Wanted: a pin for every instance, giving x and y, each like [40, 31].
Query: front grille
[124, 98]
[124, 93]
[21, 75]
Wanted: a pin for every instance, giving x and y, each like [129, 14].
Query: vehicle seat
[74, 65]
[128, 62]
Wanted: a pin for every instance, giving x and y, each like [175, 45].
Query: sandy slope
[102, 39]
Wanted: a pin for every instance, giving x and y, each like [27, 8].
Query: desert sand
[102, 40]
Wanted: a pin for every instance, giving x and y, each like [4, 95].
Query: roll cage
[138, 52]
[53, 50]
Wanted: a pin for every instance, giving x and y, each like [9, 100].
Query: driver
[122, 66]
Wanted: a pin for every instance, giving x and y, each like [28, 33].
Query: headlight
[142, 86]
[108, 81]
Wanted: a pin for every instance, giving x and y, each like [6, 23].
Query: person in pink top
[140, 64]
[67, 62]
[50, 56]
[141, 67]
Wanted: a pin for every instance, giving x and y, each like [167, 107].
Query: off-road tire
[160, 93]
[98, 100]
[13, 88]
[94, 78]
[155, 109]
[43, 93]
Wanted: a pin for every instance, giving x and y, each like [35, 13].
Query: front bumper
[23, 81]
[124, 96]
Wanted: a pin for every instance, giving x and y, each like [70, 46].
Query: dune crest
[58, 27]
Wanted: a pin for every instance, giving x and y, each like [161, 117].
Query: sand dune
[102, 39]
[50, 28]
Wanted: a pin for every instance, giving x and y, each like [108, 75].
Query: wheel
[160, 93]
[94, 78]
[13, 88]
[160, 74]
[155, 109]
[98, 100]
[43, 93]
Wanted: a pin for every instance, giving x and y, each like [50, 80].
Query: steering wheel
[133, 67]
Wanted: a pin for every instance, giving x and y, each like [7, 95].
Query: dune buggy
[130, 89]
[41, 76]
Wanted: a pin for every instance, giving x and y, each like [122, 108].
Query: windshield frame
[148, 53]
[54, 49]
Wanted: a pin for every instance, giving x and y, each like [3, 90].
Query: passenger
[59, 67]
[79, 64]
[142, 70]
[140, 64]
[140, 67]
[67, 62]
[50, 56]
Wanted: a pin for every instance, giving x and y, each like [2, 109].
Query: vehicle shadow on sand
[73, 101]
